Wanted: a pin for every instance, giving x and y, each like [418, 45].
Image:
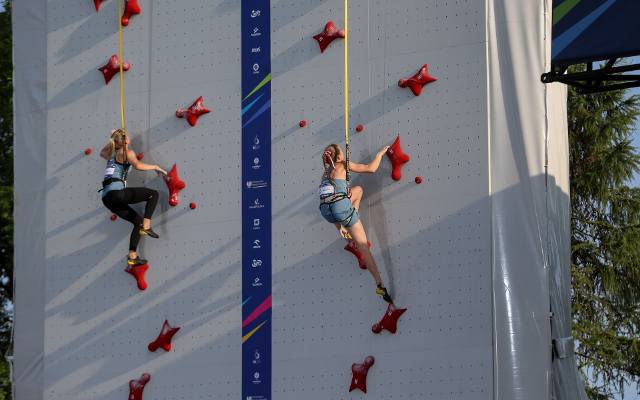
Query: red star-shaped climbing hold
[112, 67]
[164, 338]
[131, 8]
[174, 184]
[136, 386]
[327, 36]
[194, 111]
[390, 320]
[352, 247]
[359, 374]
[138, 272]
[398, 158]
[418, 81]
[97, 3]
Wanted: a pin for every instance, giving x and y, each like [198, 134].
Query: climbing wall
[97, 323]
[457, 238]
[431, 241]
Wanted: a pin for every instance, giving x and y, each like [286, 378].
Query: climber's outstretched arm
[140, 166]
[372, 166]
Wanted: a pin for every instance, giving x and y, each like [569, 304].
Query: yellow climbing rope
[346, 83]
[121, 61]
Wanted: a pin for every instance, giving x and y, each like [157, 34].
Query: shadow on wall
[95, 27]
[404, 281]
[299, 53]
[88, 83]
[166, 130]
[227, 6]
[372, 109]
[59, 18]
[204, 277]
[302, 7]
[121, 313]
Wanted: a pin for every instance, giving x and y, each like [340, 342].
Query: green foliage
[6, 194]
[605, 250]
[6, 97]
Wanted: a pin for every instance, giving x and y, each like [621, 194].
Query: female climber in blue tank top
[116, 196]
[340, 204]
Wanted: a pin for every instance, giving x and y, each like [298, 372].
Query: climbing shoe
[382, 291]
[136, 261]
[149, 232]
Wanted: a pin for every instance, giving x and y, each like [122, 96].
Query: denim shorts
[341, 212]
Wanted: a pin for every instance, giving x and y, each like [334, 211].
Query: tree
[605, 243]
[6, 194]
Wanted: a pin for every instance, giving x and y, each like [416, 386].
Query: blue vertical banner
[256, 200]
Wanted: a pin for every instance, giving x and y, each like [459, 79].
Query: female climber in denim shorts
[116, 196]
[340, 204]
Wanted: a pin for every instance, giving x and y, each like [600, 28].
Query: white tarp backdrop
[479, 252]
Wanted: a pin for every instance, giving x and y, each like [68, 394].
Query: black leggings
[118, 202]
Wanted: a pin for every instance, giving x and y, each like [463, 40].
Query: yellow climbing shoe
[382, 291]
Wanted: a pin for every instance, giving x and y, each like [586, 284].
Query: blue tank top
[115, 170]
[331, 187]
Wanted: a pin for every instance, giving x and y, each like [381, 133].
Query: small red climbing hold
[112, 67]
[131, 8]
[359, 374]
[174, 184]
[136, 386]
[418, 81]
[140, 156]
[352, 247]
[164, 338]
[193, 205]
[398, 158]
[302, 123]
[88, 151]
[113, 217]
[418, 180]
[359, 128]
[194, 111]
[390, 320]
[328, 35]
[97, 3]
[138, 272]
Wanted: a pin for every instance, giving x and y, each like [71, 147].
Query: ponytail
[329, 158]
[111, 145]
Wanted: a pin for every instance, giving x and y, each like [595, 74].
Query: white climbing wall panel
[97, 323]
[81, 325]
[432, 241]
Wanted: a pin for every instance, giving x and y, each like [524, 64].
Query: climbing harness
[331, 201]
[110, 170]
[329, 197]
